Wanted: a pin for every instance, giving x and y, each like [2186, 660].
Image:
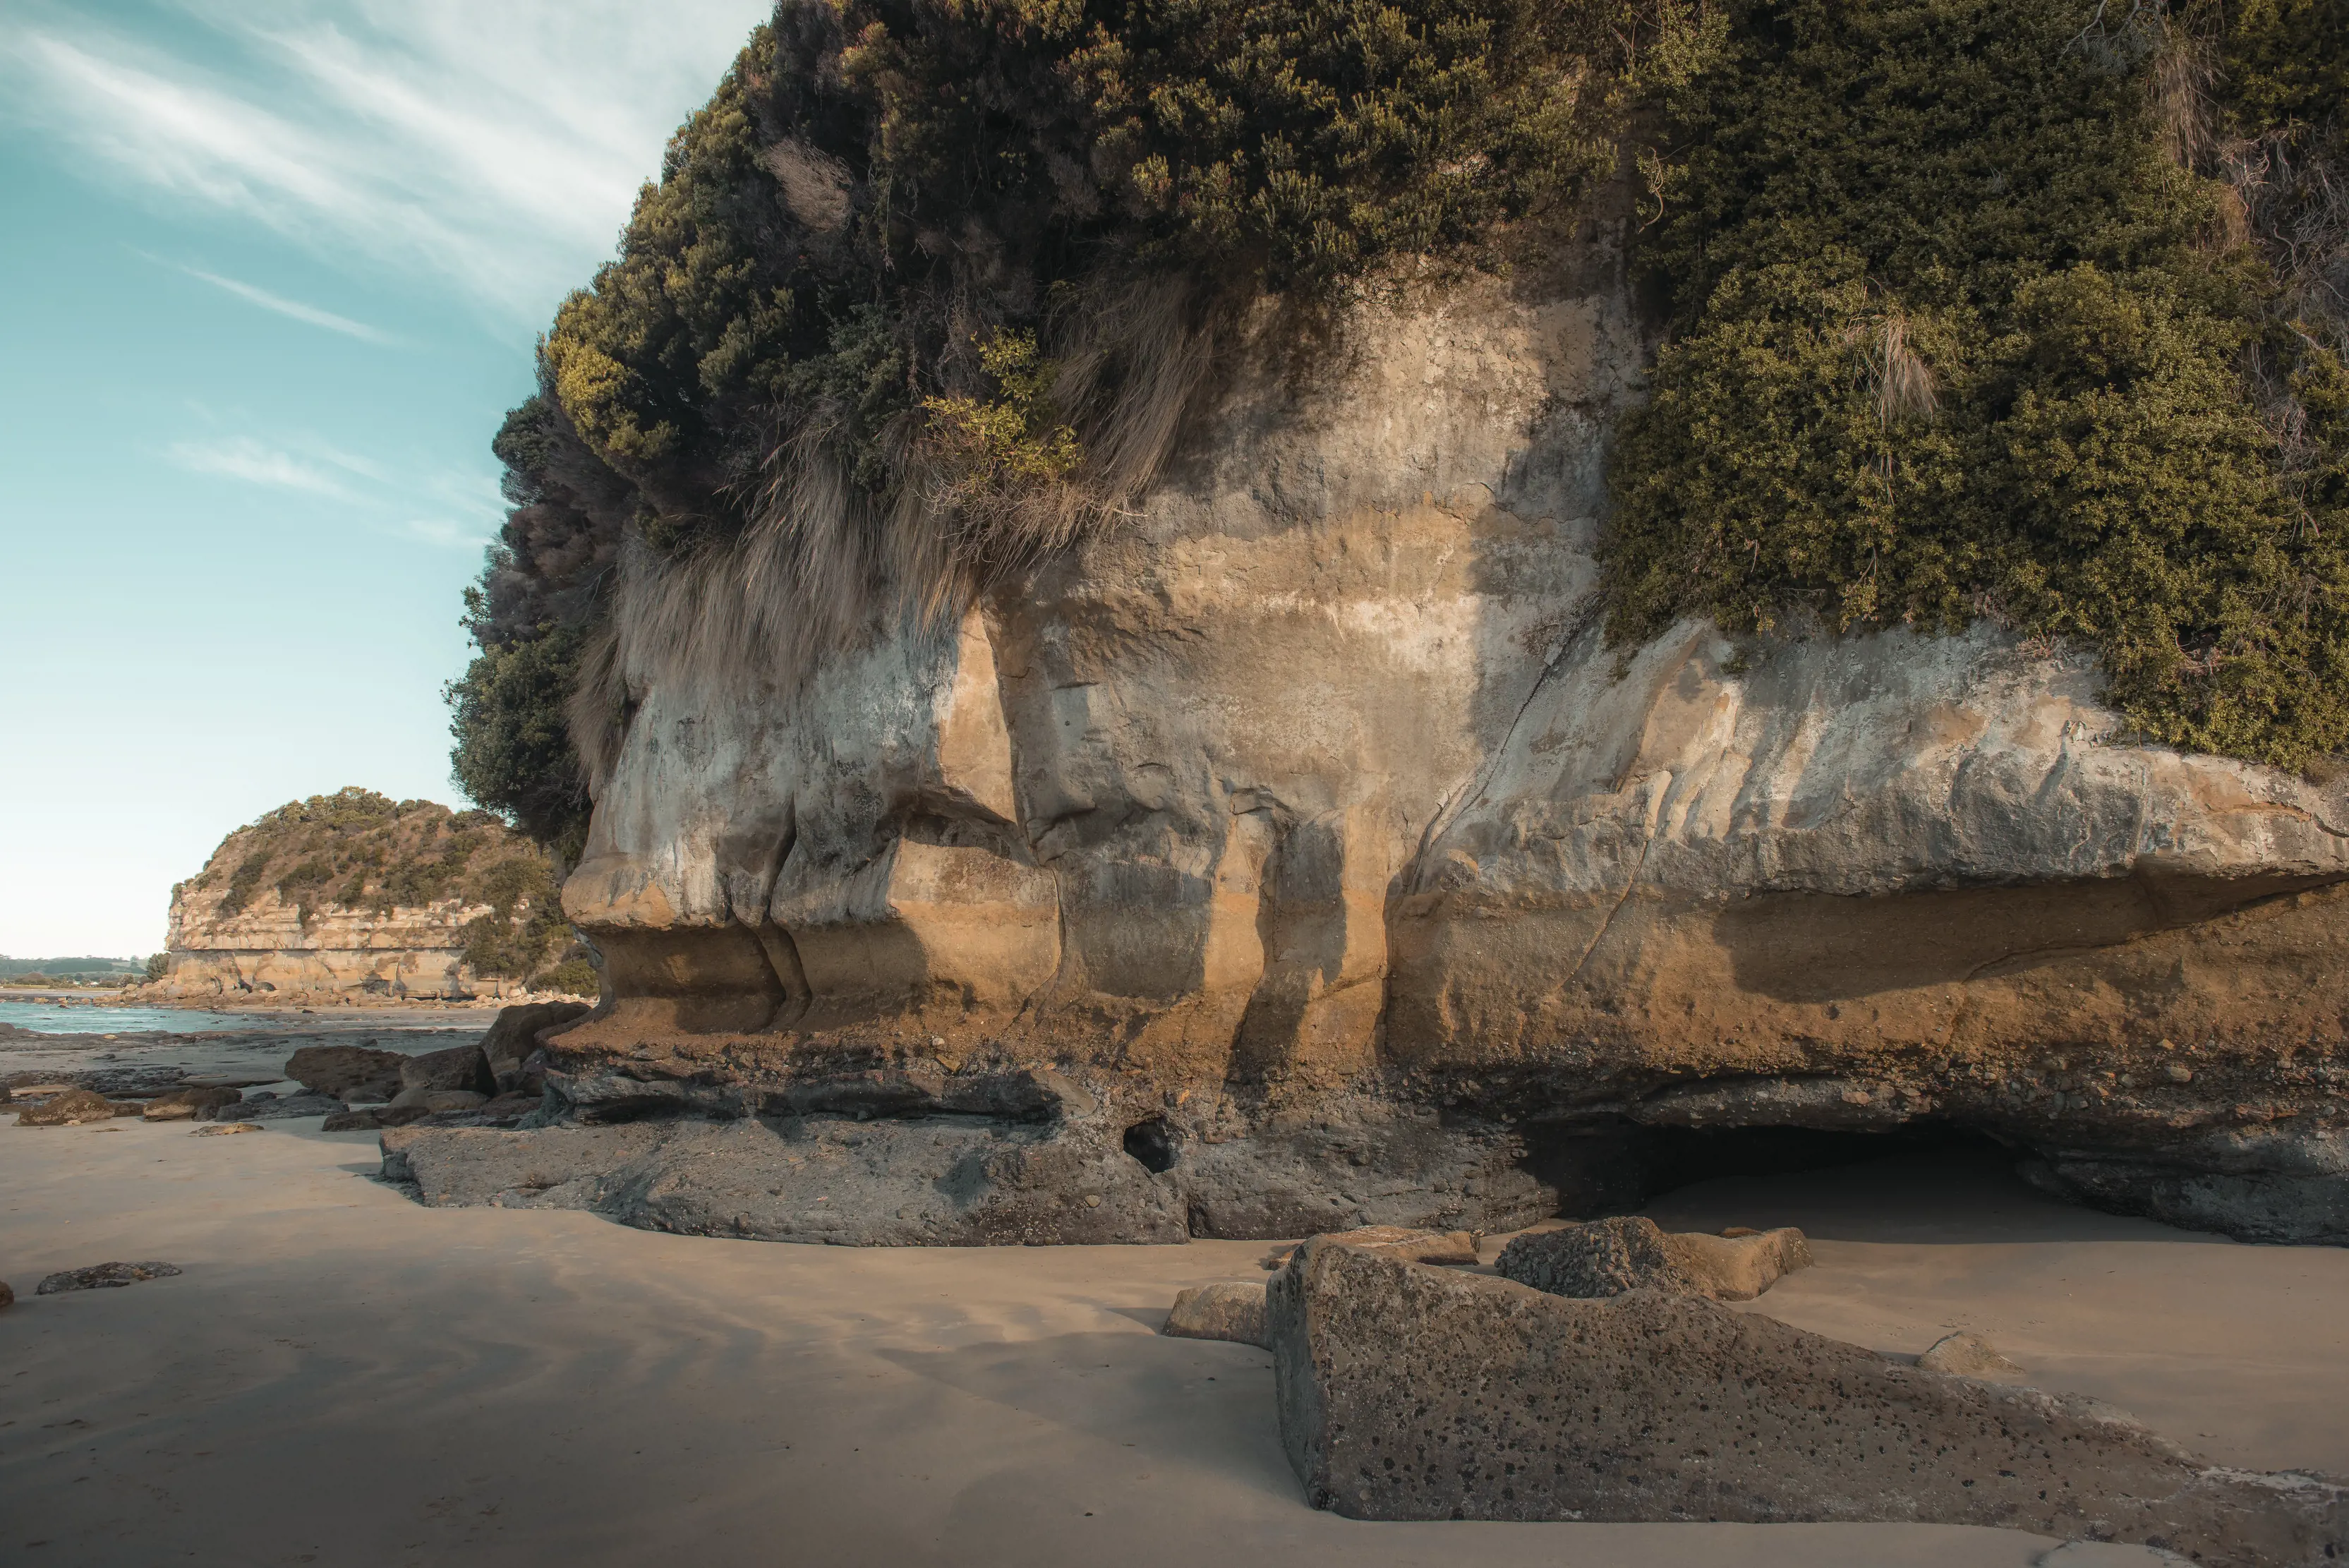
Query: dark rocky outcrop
[514, 1039]
[346, 1071]
[67, 1109]
[463, 1067]
[1411, 1391]
[265, 1106]
[179, 1105]
[103, 1276]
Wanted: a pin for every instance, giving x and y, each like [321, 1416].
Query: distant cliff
[356, 894]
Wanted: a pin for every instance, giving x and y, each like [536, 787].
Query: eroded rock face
[1307, 819]
[1411, 1391]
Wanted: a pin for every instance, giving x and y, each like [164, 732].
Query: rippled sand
[343, 1377]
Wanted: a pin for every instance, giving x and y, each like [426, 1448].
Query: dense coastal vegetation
[2023, 309]
[358, 850]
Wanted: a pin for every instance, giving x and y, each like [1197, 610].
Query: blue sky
[270, 273]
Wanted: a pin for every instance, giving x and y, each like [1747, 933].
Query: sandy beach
[343, 1377]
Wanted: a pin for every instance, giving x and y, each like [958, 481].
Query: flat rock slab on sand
[1408, 1392]
[1230, 1310]
[103, 1276]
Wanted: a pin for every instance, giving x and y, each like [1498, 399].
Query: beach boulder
[1632, 1253]
[457, 1067]
[512, 1040]
[182, 1104]
[343, 1071]
[1229, 1309]
[1406, 1391]
[72, 1107]
[7, 1296]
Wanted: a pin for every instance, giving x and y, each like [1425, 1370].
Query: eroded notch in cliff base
[1615, 1165]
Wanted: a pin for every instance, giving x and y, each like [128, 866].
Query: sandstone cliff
[1163, 755]
[355, 896]
[1306, 825]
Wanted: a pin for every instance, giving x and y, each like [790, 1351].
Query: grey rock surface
[2289, 1186]
[1963, 1354]
[1228, 1309]
[457, 1067]
[430, 1100]
[1632, 1253]
[944, 1182]
[268, 1108]
[103, 1276]
[343, 1071]
[1410, 1392]
[513, 1038]
[655, 1154]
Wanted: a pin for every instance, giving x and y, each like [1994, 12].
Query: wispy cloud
[497, 146]
[445, 533]
[255, 463]
[254, 295]
[443, 511]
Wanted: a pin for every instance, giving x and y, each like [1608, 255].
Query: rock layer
[1306, 825]
[1411, 1391]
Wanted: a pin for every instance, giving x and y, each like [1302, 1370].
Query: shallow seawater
[78, 1020]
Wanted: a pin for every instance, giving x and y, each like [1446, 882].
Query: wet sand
[341, 1376]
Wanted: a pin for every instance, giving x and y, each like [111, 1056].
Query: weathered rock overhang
[1307, 819]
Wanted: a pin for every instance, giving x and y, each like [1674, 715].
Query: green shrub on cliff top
[880, 187]
[1954, 336]
[885, 196]
[360, 850]
[1963, 318]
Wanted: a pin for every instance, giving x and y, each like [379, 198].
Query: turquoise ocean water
[119, 1020]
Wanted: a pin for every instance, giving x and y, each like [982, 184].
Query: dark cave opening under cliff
[1616, 1167]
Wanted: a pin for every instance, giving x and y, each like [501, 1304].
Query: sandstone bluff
[353, 895]
[1296, 856]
